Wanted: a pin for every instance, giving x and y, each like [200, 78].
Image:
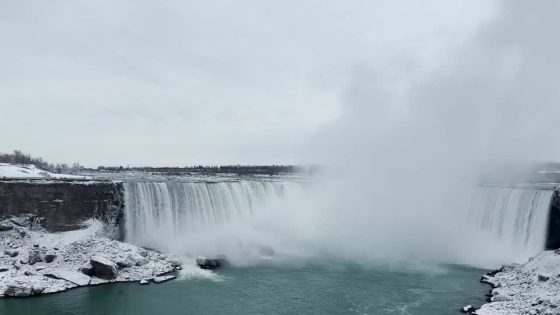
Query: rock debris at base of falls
[532, 288]
[34, 262]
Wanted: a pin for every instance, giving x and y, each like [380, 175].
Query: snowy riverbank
[531, 288]
[34, 262]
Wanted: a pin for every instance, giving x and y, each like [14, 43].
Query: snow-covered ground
[24, 171]
[34, 262]
[531, 288]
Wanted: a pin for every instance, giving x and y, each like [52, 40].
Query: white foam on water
[191, 271]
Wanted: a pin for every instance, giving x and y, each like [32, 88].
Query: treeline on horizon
[201, 169]
[18, 157]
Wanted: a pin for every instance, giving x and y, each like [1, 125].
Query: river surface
[333, 288]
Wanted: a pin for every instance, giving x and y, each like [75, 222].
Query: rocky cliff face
[63, 206]
[553, 237]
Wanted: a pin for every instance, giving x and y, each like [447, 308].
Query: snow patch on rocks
[75, 277]
[531, 288]
[62, 261]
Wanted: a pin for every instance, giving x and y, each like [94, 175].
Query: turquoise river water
[307, 289]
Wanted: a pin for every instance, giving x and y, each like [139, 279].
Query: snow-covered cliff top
[24, 171]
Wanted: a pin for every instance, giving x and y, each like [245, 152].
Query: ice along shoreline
[34, 262]
[530, 288]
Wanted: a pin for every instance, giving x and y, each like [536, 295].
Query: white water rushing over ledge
[245, 219]
[175, 215]
[515, 219]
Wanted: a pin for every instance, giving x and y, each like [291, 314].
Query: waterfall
[157, 213]
[515, 219]
[246, 218]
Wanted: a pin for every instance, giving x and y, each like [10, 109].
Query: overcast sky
[205, 82]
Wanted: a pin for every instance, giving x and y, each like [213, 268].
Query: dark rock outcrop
[553, 233]
[211, 263]
[60, 205]
[50, 257]
[543, 277]
[86, 269]
[11, 253]
[103, 268]
[34, 257]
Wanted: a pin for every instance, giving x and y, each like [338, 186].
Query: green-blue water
[324, 289]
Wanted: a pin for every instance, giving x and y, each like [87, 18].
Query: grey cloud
[163, 73]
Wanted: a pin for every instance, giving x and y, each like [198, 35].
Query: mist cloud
[410, 150]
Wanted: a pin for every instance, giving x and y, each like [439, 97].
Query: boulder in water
[103, 268]
[211, 263]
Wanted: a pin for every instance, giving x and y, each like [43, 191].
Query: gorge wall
[524, 218]
[553, 237]
[63, 205]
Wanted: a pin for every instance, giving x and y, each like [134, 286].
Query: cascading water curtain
[153, 209]
[516, 218]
